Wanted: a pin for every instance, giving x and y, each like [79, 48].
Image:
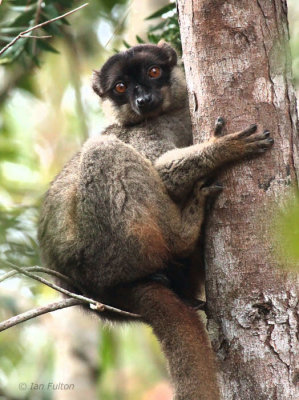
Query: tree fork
[238, 66]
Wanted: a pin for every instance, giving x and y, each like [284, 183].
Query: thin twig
[17, 319]
[39, 26]
[49, 271]
[36, 19]
[120, 24]
[96, 305]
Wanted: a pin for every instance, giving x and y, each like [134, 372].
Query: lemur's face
[136, 83]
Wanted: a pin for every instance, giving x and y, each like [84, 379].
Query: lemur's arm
[179, 169]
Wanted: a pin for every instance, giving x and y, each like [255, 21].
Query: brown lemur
[131, 202]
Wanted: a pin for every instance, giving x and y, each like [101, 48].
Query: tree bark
[238, 66]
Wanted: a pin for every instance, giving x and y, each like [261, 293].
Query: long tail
[183, 339]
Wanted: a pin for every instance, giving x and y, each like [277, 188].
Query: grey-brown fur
[132, 201]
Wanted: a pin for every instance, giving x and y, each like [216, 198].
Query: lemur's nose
[144, 100]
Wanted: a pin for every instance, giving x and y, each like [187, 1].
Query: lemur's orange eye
[120, 87]
[154, 72]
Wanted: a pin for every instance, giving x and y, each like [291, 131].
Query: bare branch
[95, 305]
[20, 35]
[39, 6]
[38, 311]
[49, 271]
[51, 284]
[36, 19]
[120, 24]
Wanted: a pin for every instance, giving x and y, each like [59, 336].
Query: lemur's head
[140, 83]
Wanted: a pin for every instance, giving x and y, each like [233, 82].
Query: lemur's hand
[245, 142]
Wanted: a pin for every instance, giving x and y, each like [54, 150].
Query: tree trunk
[238, 66]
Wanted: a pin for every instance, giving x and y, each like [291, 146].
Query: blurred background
[47, 109]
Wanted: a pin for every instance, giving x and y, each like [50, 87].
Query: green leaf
[126, 44]
[6, 39]
[65, 21]
[139, 39]
[26, 8]
[53, 29]
[14, 51]
[34, 58]
[25, 19]
[153, 38]
[7, 150]
[108, 349]
[26, 83]
[44, 45]
[21, 2]
[162, 11]
[50, 11]
[161, 25]
[13, 29]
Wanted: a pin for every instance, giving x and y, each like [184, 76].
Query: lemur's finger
[248, 131]
[258, 136]
[259, 146]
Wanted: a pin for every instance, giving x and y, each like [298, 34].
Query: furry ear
[172, 55]
[96, 74]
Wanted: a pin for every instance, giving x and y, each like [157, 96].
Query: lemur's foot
[202, 193]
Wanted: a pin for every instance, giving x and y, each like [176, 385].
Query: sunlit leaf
[21, 2]
[5, 39]
[25, 18]
[13, 30]
[162, 11]
[13, 52]
[7, 150]
[25, 8]
[161, 25]
[108, 349]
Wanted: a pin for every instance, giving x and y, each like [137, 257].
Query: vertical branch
[237, 66]
[74, 66]
[36, 20]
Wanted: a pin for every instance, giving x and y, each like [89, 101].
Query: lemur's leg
[179, 169]
[192, 217]
[124, 212]
[123, 204]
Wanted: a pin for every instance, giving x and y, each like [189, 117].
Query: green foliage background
[46, 111]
